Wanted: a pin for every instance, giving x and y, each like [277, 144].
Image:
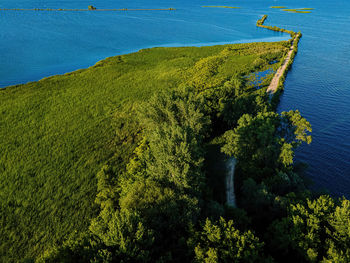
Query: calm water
[34, 45]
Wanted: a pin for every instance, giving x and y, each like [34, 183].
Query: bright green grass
[220, 6]
[56, 133]
[278, 7]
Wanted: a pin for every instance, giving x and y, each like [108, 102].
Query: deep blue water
[34, 45]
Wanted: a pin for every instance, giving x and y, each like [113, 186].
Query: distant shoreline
[129, 51]
[92, 10]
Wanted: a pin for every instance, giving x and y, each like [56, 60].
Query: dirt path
[230, 190]
[231, 163]
[274, 83]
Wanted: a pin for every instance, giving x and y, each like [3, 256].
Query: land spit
[281, 70]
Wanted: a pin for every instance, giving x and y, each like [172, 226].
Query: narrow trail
[274, 83]
[230, 189]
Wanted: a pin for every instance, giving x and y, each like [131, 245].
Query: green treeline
[158, 209]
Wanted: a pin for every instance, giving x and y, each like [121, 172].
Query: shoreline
[276, 85]
[279, 77]
[175, 45]
[83, 10]
[84, 119]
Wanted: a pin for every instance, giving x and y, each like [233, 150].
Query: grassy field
[55, 134]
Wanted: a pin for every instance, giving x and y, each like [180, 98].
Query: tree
[317, 231]
[265, 143]
[222, 242]
[175, 126]
[253, 143]
[124, 235]
[339, 242]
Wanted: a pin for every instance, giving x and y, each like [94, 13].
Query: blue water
[34, 45]
[255, 79]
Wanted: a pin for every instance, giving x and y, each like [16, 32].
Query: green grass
[220, 6]
[56, 133]
[278, 7]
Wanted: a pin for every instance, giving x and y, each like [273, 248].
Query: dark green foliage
[317, 231]
[215, 167]
[175, 127]
[265, 143]
[77, 250]
[146, 211]
[126, 238]
[222, 242]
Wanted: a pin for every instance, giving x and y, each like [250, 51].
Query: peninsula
[279, 77]
[163, 155]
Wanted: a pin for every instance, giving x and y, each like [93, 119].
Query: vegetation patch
[300, 11]
[261, 21]
[58, 132]
[295, 10]
[219, 6]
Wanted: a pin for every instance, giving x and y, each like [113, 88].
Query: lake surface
[37, 44]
